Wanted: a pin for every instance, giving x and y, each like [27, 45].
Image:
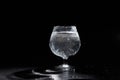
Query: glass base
[54, 70]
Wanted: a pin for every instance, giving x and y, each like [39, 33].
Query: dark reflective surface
[106, 72]
[29, 75]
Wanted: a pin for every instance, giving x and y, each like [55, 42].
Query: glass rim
[66, 26]
[72, 28]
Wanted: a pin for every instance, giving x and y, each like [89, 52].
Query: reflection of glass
[64, 42]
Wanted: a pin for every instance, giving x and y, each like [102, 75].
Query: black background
[27, 29]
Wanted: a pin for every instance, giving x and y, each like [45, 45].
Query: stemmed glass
[64, 42]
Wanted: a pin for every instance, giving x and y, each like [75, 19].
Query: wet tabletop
[27, 74]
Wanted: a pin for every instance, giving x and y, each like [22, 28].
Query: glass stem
[65, 61]
[65, 66]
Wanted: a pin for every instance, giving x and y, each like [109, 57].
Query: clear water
[64, 44]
